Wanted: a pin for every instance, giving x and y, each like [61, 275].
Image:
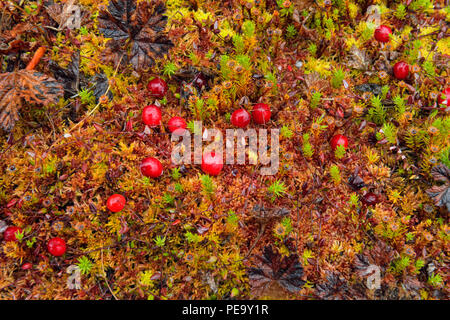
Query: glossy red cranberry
[382, 33]
[261, 113]
[446, 94]
[56, 246]
[27, 266]
[401, 70]
[157, 87]
[240, 118]
[339, 140]
[211, 163]
[370, 199]
[116, 202]
[177, 123]
[151, 167]
[10, 233]
[151, 115]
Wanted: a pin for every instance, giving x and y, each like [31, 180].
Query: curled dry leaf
[23, 85]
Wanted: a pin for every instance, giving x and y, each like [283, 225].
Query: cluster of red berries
[150, 167]
[211, 162]
[56, 246]
[151, 115]
[401, 68]
[261, 114]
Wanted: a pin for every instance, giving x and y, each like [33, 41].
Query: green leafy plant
[400, 12]
[335, 174]
[435, 280]
[175, 173]
[168, 199]
[390, 133]
[170, 69]
[338, 77]
[291, 31]
[277, 189]
[315, 99]
[307, 147]
[84, 264]
[207, 184]
[377, 113]
[160, 241]
[286, 132]
[400, 105]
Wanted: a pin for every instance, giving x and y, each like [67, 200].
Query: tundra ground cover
[90, 91]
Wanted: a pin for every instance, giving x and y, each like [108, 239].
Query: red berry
[151, 167]
[261, 113]
[370, 199]
[382, 33]
[446, 101]
[212, 163]
[240, 118]
[151, 115]
[27, 266]
[56, 246]
[10, 233]
[157, 87]
[116, 202]
[401, 70]
[339, 140]
[177, 123]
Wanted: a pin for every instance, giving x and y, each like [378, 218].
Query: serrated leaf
[441, 194]
[272, 267]
[24, 85]
[138, 28]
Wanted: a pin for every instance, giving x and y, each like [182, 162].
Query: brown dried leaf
[272, 267]
[10, 41]
[31, 86]
[313, 81]
[358, 59]
[139, 26]
[61, 12]
[441, 194]
[441, 173]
